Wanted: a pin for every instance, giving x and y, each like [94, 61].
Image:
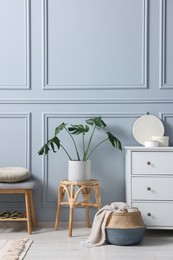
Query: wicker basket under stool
[125, 228]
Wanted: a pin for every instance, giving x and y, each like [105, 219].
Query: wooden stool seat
[25, 188]
[72, 190]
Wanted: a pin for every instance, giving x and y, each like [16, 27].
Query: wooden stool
[69, 187]
[25, 188]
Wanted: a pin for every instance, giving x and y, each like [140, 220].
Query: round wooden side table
[72, 189]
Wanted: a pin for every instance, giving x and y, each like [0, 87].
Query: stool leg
[86, 192]
[57, 215]
[70, 222]
[98, 196]
[71, 204]
[32, 209]
[87, 217]
[27, 203]
[60, 199]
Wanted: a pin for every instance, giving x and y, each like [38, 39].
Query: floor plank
[50, 244]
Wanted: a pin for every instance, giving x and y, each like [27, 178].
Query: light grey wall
[67, 60]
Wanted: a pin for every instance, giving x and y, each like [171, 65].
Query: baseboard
[40, 225]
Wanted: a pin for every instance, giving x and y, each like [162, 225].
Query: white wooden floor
[50, 245]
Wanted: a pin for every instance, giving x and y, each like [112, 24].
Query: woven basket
[125, 228]
[125, 220]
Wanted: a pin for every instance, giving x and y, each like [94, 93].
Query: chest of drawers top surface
[148, 149]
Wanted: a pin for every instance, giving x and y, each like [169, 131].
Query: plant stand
[72, 190]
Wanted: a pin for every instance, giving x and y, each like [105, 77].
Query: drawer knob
[148, 188]
[149, 214]
[148, 163]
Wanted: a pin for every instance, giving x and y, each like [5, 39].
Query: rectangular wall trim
[144, 58]
[163, 49]
[27, 53]
[27, 131]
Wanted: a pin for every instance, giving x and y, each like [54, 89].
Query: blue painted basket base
[124, 237]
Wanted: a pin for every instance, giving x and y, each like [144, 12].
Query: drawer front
[152, 162]
[148, 188]
[156, 214]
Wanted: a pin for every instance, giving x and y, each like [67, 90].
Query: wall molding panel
[27, 124]
[143, 84]
[164, 115]
[163, 50]
[45, 170]
[167, 118]
[25, 85]
[26, 117]
[86, 101]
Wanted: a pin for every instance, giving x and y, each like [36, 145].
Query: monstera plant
[89, 129]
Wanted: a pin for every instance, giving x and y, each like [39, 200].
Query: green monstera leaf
[114, 141]
[50, 143]
[78, 129]
[97, 121]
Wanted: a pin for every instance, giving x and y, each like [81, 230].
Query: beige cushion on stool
[14, 174]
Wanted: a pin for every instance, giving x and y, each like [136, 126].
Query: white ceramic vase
[79, 170]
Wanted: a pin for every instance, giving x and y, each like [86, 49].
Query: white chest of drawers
[149, 184]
